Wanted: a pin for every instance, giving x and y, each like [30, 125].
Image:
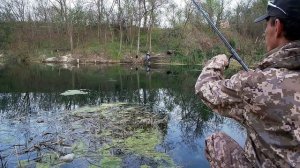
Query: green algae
[48, 160]
[105, 133]
[103, 108]
[79, 148]
[42, 165]
[138, 139]
[109, 160]
[143, 142]
[128, 128]
[23, 163]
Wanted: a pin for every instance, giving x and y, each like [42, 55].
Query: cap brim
[261, 18]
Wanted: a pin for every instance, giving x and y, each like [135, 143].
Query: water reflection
[28, 92]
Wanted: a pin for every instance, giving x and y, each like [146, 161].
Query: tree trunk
[139, 29]
[70, 30]
[120, 27]
[152, 18]
[145, 13]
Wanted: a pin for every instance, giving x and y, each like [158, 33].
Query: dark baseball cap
[284, 9]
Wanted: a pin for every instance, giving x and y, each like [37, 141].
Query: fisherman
[147, 57]
[266, 101]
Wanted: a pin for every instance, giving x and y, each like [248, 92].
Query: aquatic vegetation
[79, 148]
[143, 142]
[145, 166]
[106, 135]
[113, 162]
[108, 159]
[42, 165]
[23, 163]
[74, 92]
[132, 129]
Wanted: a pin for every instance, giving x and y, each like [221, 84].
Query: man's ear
[279, 28]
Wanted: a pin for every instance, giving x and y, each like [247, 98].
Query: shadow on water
[31, 100]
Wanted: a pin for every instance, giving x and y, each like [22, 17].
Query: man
[266, 100]
[147, 57]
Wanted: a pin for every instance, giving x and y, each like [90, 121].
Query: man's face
[270, 36]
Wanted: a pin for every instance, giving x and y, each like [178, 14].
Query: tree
[154, 11]
[245, 14]
[139, 25]
[120, 21]
[215, 10]
[65, 19]
[100, 14]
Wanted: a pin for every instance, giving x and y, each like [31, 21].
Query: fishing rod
[233, 52]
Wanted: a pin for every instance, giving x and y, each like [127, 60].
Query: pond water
[34, 98]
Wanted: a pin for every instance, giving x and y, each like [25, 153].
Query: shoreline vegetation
[124, 31]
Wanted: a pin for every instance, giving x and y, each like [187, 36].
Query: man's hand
[218, 62]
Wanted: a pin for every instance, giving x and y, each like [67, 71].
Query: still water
[31, 92]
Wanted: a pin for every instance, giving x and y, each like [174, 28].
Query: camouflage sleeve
[218, 93]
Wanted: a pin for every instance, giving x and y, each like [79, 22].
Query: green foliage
[143, 42]
[179, 58]
[93, 48]
[232, 43]
[198, 56]
[188, 34]
[113, 50]
[189, 47]
[171, 39]
[157, 45]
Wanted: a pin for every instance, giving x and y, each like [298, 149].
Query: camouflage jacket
[266, 101]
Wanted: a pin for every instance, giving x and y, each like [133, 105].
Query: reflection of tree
[132, 86]
[195, 117]
[17, 104]
[136, 87]
[25, 103]
[161, 93]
